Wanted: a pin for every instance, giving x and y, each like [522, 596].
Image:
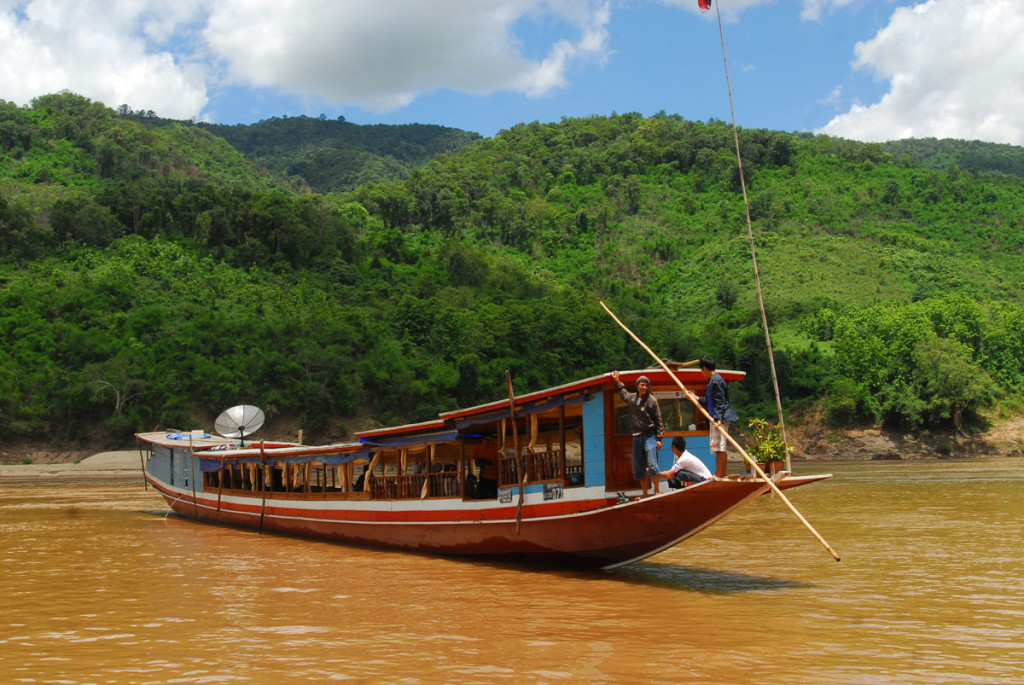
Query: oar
[753, 464]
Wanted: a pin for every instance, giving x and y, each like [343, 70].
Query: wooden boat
[428, 486]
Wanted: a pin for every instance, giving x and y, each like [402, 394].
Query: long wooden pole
[142, 463]
[192, 474]
[263, 504]
[220, 484]
[520, 470]
[753, 464]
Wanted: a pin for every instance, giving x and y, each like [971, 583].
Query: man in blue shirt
[716, 401]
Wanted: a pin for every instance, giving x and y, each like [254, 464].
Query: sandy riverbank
[121, 464]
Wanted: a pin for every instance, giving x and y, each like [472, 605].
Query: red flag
[704, 5]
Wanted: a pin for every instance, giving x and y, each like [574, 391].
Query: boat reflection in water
[548, 482]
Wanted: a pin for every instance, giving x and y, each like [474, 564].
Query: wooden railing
[540, 467]
[241, 482]
[410, 486]
[445, 484]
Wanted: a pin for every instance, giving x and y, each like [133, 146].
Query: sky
[869, 70]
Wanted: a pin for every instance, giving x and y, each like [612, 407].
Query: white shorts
[718, 441]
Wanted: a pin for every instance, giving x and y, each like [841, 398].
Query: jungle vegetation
[152, 274]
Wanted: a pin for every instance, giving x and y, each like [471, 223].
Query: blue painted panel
[593, 439]
[177, 468]
[187, 470]
[160, 465]
[172, 467]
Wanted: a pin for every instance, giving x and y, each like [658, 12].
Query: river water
[99, 585]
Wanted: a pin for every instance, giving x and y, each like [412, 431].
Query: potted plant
[766, 446]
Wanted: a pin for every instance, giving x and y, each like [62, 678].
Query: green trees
[926, 364]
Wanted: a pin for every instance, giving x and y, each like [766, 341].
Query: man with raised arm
[647, 429]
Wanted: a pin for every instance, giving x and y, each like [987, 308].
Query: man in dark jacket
[647, 429]
[716, 401]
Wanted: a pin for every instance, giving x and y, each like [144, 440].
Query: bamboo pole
[753, 464]
[263, 504]
[520, 470]
[142, 463]
[220, 483]
[425, 492]
[192, 474]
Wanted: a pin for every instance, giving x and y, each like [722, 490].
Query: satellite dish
[240, 421]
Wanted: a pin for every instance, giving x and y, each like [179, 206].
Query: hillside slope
[151, 274]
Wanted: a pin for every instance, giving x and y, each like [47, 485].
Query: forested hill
[152, 276]
[335, 155]
[329, 155]
[970, 155]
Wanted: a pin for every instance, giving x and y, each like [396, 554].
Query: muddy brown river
[99, 585]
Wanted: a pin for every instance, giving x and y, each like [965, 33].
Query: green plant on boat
[765, 443]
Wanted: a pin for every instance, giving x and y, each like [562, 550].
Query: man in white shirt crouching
[687, 468]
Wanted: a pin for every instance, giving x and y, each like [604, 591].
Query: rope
[750, 234]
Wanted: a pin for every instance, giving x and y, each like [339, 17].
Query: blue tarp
[417, 438]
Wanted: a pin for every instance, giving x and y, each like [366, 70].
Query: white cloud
[955, 70]
[96, 48]
[834, 96]
[377, 55]
[382, 55]
[813, 9]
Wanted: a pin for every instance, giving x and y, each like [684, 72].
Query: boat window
[677, 413]
[623, 420]
[288, 480]
[428, 471]
[572, 422]
[550, 445]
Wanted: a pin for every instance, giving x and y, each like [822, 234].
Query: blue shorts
[645, 455]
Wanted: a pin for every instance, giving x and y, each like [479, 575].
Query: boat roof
[228, 447]
[690, 377]
[435, 424]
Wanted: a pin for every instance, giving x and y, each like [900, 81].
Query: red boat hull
[587, 533]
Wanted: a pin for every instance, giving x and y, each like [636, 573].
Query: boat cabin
[551, 442]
